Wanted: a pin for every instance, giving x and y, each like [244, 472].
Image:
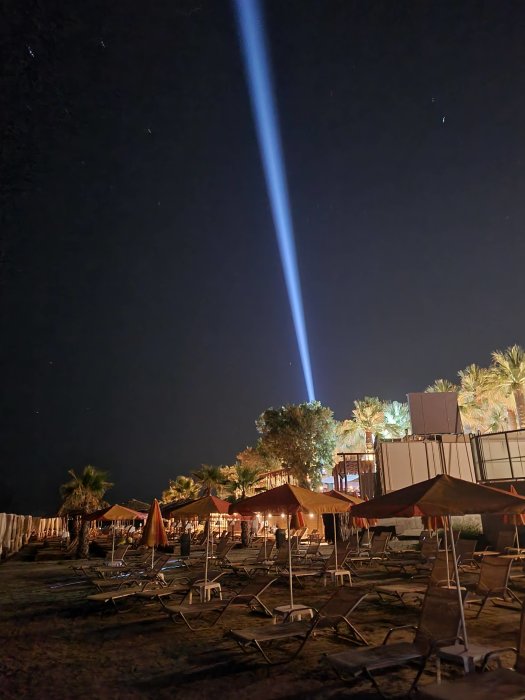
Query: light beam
[251, 28]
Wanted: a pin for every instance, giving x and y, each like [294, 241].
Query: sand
[56, 644]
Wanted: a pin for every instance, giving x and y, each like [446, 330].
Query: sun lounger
[438, 577]
[186, 612]
[493, 583]
[438, 625]
[250, 595]
[113, 596]
[268, 639]
[500, 684]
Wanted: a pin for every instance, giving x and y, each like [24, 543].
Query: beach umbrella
[154, 533]
[515, 519]
[112, 514]
[355, 521]
[289, 499]
[443, 495]
[203, 508]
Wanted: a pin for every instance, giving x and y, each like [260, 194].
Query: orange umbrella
[443, 495]
[290, 499]
[112, 514]
[204, 507]
[516, 519]
[154, 533]
[354, 501]
[433, 522]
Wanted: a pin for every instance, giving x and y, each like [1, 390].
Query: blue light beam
[251, 28]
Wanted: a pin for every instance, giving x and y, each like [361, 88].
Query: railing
[499, 456]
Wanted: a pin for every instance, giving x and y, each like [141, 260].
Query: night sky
[144, 317]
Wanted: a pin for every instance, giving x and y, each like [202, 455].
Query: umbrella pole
[335, 546]
[458, 587]
[446, 552]
[113, 545]
[517, 538]
[207, 552]
[290, 578]
[265, 515]
[152, 555]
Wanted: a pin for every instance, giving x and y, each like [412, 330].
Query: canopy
[116, 512]
[343, 496]
[353, 501]
[514, 519]
[202, 508]
[442, 495]
[289, 499]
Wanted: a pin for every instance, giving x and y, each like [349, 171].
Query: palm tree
[369, 416]
[441, 385]
[396, 420]
[183, 488]
[498, 419]
[473, 398]
[210, 478]
[243, 479]
[84, 494]
[508, 373]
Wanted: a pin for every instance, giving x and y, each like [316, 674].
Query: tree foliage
[301, 437]
[243, 479]
[211, 479]
[508, 375]
[441, 385]
[396, 420]
[369, 417]
[84, 493]
[182, 488]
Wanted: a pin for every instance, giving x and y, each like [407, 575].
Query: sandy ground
[56, 644]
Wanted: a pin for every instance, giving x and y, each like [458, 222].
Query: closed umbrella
[112, 514]
[443, 495]
[290, 500]
[154, 532]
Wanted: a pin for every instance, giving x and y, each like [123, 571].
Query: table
[457, 653]
[205, 591]
[337, 576]
[292, 612]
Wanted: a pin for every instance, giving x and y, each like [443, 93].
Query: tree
[508, 375]
[396, 417]
[183, 488]
[301, 437]
[83, 495]
[210, 478]
[369, 416]
[441, 385]
[473, 398]
[242, 480]
[257, 458]
[349, 438]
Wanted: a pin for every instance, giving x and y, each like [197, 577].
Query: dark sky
[144, 318]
